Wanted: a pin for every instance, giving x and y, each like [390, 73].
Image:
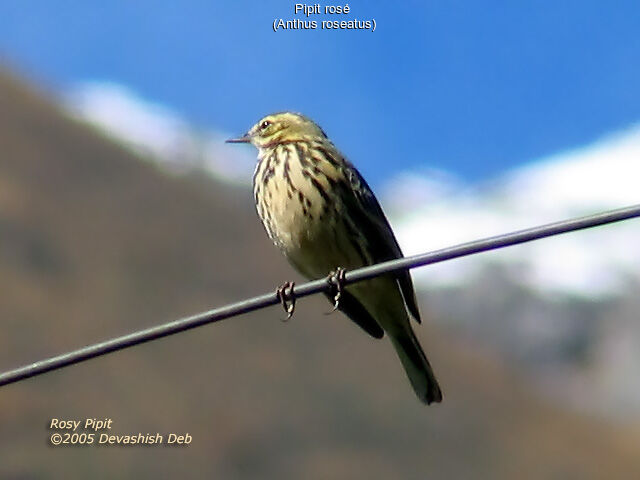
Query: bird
[321, 213]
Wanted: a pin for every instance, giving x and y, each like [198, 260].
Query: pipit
[322, 215]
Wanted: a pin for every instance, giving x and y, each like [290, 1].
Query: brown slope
[94, 243]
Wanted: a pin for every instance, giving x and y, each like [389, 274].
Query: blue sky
[473, 88]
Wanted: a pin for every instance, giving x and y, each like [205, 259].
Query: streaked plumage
[321, 213]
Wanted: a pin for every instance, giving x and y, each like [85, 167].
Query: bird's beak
[246, 138]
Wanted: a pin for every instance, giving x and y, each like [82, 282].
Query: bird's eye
[265, 124]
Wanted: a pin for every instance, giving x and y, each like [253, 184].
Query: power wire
[316, 286]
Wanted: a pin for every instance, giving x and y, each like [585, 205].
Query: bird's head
[280, 128]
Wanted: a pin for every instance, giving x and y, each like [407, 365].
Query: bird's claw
[287, 298]
[336, 280]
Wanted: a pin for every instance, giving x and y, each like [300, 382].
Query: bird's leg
[287, 298]
[336, 280]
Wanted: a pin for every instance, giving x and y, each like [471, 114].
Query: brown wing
[371, 220]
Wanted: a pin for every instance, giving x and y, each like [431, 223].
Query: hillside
[95, 243]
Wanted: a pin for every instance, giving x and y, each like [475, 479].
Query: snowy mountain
[156, 131]
[431, 214]
[565, 309]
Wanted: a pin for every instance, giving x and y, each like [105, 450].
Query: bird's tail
[416, 365]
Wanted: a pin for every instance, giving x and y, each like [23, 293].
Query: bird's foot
[287, 298]
[336, 280]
